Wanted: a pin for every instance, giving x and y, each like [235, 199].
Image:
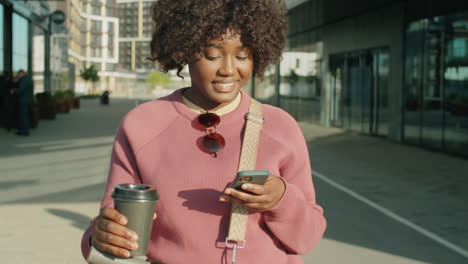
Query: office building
[93, 40]
[23, 30]
[395, 69]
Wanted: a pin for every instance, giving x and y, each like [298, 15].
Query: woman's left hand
[257, 197]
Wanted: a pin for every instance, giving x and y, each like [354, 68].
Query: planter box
[46, 106]
[62, 106]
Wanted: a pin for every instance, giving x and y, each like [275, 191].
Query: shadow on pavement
[44, 165]
[89, 193]
[78, 220]
[40, 149]
[427, 188]
[14, 184]
[90, 121]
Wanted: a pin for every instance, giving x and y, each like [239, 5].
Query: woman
[161, 143]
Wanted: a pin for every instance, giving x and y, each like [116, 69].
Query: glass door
[379, 95]
[455, 83]
[337, 103]
[359, 99]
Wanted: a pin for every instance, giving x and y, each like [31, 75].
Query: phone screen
[251, 176]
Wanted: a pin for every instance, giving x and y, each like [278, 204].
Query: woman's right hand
[111, 235]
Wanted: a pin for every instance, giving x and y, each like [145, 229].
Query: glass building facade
[359, 91]
[436, 83]
[20, 43]
[296, 83]
[395, 69]
[2, 36]
[22, 36]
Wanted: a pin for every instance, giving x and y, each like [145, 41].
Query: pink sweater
[158, 144]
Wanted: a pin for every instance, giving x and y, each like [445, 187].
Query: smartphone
[250, 176]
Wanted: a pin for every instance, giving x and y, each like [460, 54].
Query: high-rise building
[134, 35]
[93, 39]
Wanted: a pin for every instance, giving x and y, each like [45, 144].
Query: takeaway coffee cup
[137, 202]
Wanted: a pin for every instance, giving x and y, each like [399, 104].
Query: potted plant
[61, 102]
[46, 106]
[73, 101]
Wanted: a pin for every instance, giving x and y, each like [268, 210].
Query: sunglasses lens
[213, 142]
[209, 119]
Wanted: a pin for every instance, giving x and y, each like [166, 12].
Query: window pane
[38, 59]
[1, 39]
[20, 43]
[413, 81]
[456, 87]
[301, 77]
[436, 83]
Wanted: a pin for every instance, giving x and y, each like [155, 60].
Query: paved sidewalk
[52, 181]
[424, 188]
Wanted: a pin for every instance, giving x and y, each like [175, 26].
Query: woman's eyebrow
[219, 46]
[214, 45]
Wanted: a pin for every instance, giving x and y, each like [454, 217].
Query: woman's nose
[227, 67]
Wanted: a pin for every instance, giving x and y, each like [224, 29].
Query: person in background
[160, 143]
[6, 85]
[25, 94]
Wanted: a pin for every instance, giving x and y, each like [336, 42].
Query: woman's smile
[225, 87]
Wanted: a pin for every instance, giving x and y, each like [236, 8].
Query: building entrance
[359, 91]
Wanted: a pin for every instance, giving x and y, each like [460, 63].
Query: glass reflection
[359, 91]
[300, 71]
[1, 39]
[20, 43]
[456, 85]
[265, 87]
[38, 59]
[436, 83]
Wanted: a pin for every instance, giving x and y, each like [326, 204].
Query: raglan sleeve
[296, 220]
[123, 169]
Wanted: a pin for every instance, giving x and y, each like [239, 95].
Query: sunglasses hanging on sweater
[212, 141]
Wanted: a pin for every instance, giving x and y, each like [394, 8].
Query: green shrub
[69, 94]
[60, 95]
[90, 96]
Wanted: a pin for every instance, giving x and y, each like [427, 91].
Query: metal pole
[277, 85]
[47, 86]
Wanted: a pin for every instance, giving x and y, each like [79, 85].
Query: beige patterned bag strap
[248, 157]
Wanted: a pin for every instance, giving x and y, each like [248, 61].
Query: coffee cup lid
[135, 192]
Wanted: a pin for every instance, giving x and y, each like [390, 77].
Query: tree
[158, 78]
[89, 74]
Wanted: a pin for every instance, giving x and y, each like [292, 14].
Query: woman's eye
[208, 57]
[241, 58]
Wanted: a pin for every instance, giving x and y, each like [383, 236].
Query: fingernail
[127, 254]
[227, 191]
[134, 246]
[222, 199]
[133, 235]
[245, 186]
[123, 220]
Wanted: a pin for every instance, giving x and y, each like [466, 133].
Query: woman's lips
[224, 87]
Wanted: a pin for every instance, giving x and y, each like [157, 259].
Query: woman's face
[223, 68]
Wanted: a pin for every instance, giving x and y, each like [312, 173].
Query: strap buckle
[231, 245]
[256, 118]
